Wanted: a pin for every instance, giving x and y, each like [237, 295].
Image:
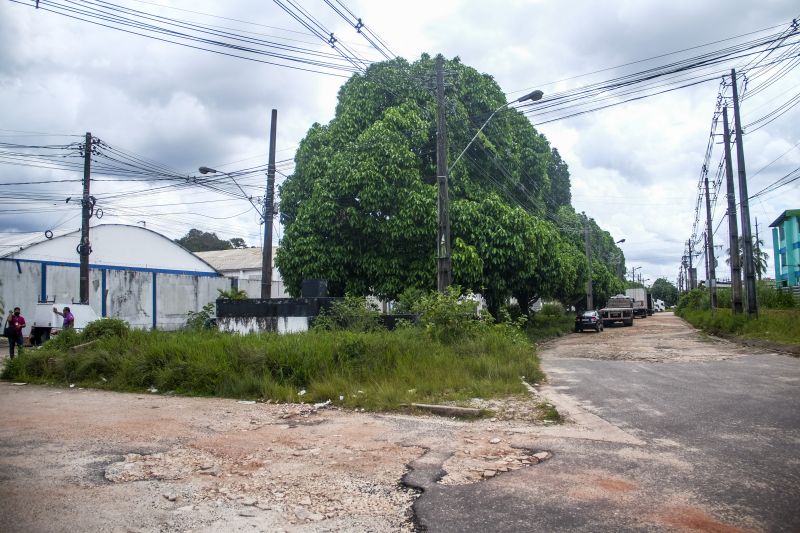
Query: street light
[532, 96]
[620, 241]
[207, 170]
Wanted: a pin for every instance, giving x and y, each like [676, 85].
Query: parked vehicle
[658, 305]
[47, 324]
[589, 320]
[649, 304]
[618, 309]
[639, 296]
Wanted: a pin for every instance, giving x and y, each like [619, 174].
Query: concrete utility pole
[692, 278]
[733, 226]
[269, 202]
[711, 273]
[744, 209]
[757, 257]
[589, 299]
[84, 248]
[444, 267]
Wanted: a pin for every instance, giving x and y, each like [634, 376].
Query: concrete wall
[128, 294]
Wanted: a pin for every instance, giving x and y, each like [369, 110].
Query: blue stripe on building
[118, 268]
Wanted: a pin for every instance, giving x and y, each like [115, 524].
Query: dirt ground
[658, 338]
[88, 460]
[85, 460]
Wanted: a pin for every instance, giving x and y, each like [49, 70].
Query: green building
[786, 245]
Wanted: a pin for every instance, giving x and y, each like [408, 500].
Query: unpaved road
[685, 433]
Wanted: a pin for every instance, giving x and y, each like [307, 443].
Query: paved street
[719, 448]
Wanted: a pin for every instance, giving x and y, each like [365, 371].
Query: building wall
[125, 294]
[787, 252]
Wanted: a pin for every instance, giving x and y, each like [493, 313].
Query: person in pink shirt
[15, 322]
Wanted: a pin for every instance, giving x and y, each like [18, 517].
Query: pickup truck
[618, 309]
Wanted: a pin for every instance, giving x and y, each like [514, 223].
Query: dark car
[589, 320]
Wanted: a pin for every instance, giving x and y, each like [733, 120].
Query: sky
[634, 167]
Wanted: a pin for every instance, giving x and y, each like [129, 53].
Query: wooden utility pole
[269, 202]
[744, 209]
[589, 289]
[757, 257]
[711, 260]
[444, 267]
[733, 226]
[84, 248]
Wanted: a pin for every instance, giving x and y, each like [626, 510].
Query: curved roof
[118, 246]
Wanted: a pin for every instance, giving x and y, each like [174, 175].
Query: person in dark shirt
[69, 318]
[16, 323]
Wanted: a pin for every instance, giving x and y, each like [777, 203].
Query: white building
[244, 266]
[135, 274]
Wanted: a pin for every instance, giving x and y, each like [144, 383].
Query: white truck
[46, 323]
[618, 309]
[639, 296]
[658, 305]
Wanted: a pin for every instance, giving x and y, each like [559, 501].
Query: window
[783, 259]
[782, 232]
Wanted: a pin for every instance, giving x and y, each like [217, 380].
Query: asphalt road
[704, 437]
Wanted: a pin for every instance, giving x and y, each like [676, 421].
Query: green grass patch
[775, 325]
[378, 370]
[543, 326]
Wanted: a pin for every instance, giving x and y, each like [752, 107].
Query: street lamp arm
[476, 135]
[207, 170]
[532, 96]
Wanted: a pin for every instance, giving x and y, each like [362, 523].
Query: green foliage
[449, 316]
[353, 313]
[776, 325]
[551, 309]
[360, 208]
[694, 300]
[772, 298]
[105, 327]
[196, 320]
[233, 294]
[196, 240]
[662, 289]
[375, 369]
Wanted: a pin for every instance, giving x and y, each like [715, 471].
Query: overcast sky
[635, 167]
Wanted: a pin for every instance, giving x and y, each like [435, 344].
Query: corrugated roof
[236, 259]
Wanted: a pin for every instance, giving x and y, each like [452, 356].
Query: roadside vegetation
[449, 355]
[778, 316]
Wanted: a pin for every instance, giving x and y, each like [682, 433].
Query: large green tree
[196, 240]
[662, 289]
[360, 208]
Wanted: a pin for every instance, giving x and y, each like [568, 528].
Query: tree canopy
[196, 240]
[662, 289]
[360, 208]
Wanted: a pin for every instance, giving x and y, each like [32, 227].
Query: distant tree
[662, 289]
[238, 242]
[201, 241]
[759, 257]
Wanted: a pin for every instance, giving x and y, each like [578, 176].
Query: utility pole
[692, 277]
[84, 248]
[744, 209]
[444, 268]
[269, 202]
[589, 299]
[711, 273]
[733, 226]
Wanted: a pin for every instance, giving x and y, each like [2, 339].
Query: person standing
[16, 323]
[69, 318]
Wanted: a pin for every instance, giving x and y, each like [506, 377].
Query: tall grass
[777, 325]
[370, 369]
[777, 321]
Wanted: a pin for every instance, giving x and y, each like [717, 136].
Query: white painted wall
[245, 325]
[129, 293]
